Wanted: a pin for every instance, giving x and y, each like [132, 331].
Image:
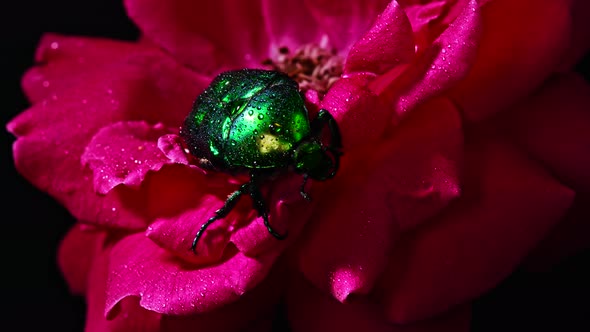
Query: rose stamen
[311, 65]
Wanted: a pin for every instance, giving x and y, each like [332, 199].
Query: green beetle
[255, 121]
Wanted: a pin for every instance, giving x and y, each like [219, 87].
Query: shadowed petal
[570, 237]
[76, 252]
[580, 41]
[553, 127]
[521, 45]
[509, 205]
[410, 178]
[311, 310]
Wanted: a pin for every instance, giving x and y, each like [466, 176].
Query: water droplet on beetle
[250, 112]
[260, 116]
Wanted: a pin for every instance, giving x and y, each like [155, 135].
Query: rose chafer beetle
[255, 121]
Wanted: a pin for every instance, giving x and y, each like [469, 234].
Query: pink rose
[457, 166]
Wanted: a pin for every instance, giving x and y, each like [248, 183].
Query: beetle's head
[316, 161]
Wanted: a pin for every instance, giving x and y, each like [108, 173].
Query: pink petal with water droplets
[521, 45]
[410, 178]
[250, 312]
[75, 254]
[138, 267]
[52, 134]
[445, 62]
[129, 315]
[509, 204]
[554, 125]
[66, 60]
[311, 310]
[386, 44]
[123, 153]
[176, 233]
[430, 18]
[171, 147]
[205, 35]
[344, 22]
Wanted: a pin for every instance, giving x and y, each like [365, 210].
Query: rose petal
[579, 45]
[509, 205]
[553, 127]
[252, 308]
[311, 310]
[388, 43]
[52, 134]
[570, 237]
[129, 317]
[346, 246]
[205, 35]
[345, 23]
[410, 178]
[166, 285]
[444, 63]
[289, 212]
[283, 34]
[76, 252]
[430, 18]
[67, 60]
[361, 119]
[521, 45]
[176, 233]
[171, 146]
[422, 163]
[123, 153]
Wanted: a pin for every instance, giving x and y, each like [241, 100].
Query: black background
[34, 293]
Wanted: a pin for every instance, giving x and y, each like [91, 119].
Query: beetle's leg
[260, 206]
[317, 125]
[229, 204]
[302, 188]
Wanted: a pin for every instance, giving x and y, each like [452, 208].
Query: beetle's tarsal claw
[305, 196]
[201, 231]
[277, 235]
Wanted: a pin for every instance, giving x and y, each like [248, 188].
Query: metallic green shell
[247, 118]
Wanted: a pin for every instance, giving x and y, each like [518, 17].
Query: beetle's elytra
[255, 121]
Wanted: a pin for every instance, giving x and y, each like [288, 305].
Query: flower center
[311, 65]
